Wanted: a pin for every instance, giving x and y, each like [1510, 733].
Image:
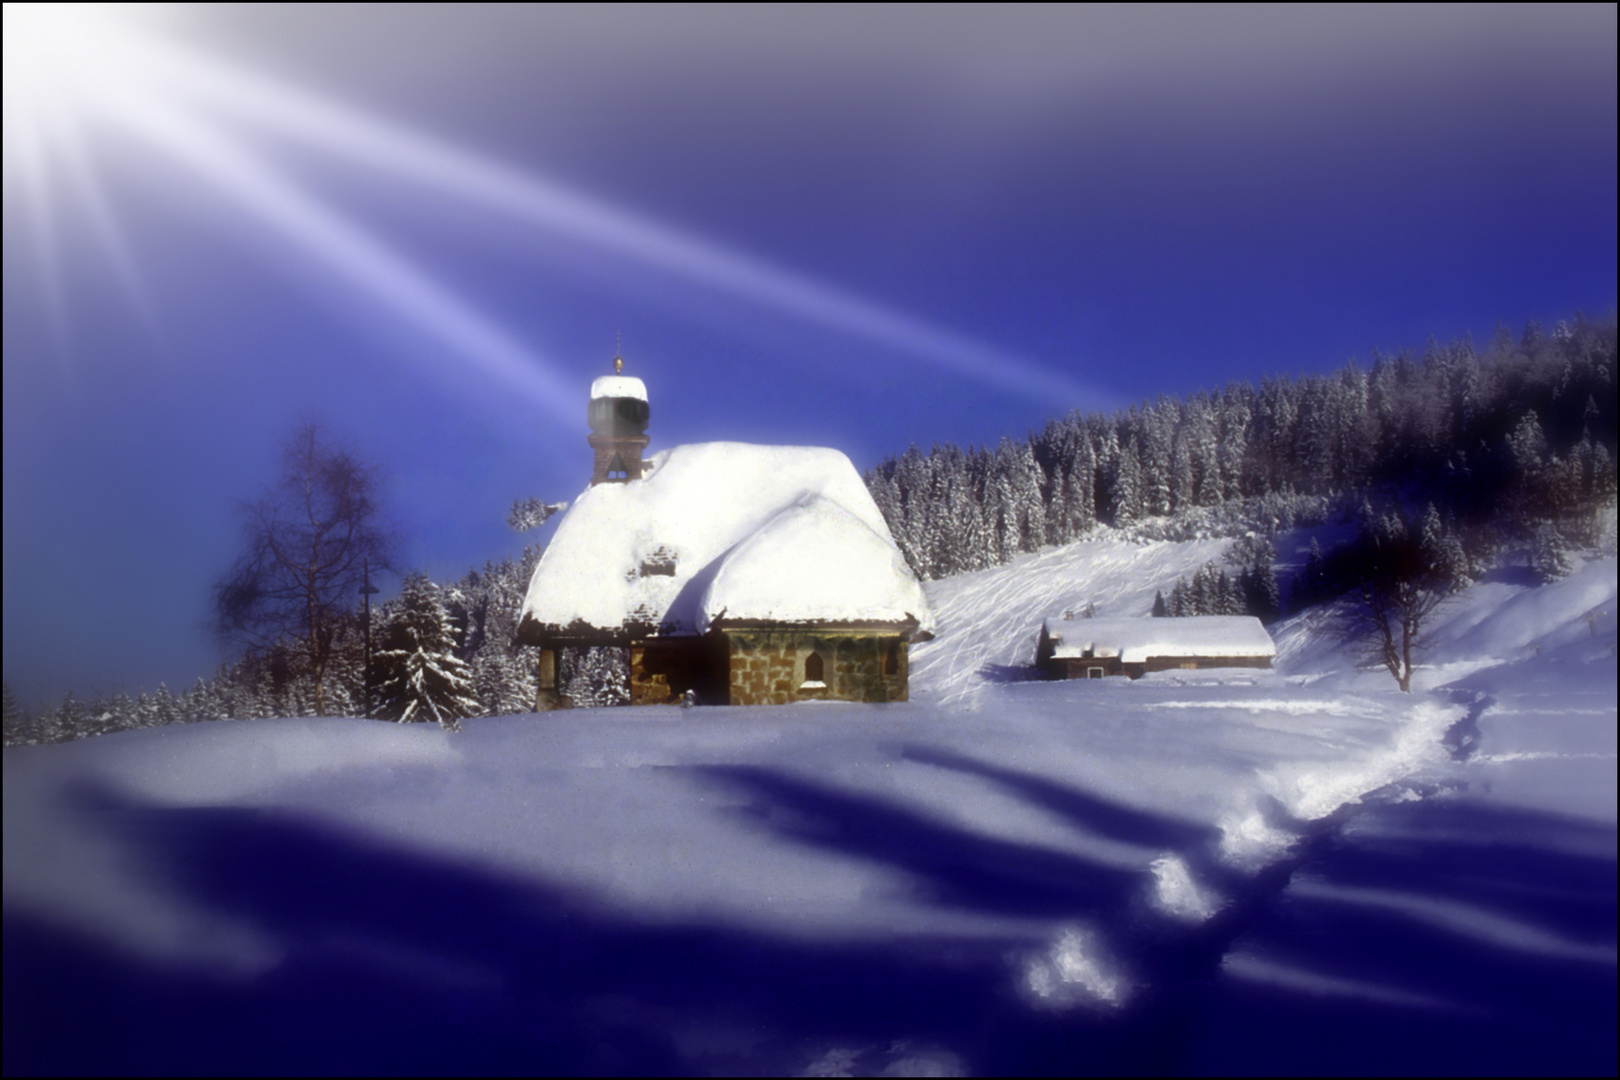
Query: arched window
[813, 668]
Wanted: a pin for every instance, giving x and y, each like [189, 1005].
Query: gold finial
[618, 360]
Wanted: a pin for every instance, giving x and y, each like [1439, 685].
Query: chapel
[731, 573]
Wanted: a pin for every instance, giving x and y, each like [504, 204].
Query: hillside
[1000, 875]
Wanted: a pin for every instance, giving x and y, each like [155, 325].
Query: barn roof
[723, 531]
[1135, 640]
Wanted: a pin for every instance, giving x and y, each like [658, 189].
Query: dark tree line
[1507, 443]
[479, 616]
[429, 631]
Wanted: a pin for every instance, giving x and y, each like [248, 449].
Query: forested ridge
[1512, 445]
[1519, 436]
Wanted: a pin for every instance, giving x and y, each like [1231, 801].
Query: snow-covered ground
[1201, 872]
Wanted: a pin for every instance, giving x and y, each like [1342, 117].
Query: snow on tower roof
[620, 386]
[1134, 640]
[723, 530]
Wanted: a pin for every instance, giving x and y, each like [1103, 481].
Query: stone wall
[768, 667]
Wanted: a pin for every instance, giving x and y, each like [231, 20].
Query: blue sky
[860, 228]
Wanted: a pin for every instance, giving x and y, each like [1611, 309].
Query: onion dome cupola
[618, 415]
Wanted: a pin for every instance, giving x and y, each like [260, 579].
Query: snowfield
[1204, 872]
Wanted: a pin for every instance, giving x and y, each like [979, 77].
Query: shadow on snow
[397, 961]
[1502, 920]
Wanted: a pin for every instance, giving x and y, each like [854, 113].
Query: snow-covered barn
[1093, 648]
[744, 574]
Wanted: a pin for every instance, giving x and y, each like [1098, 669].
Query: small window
[658, 561]
[814, 670]
[1094, 672]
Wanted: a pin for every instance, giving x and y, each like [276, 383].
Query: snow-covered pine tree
[1444, 550]
[203, 702]
[1203, 448]
[529, 514]
[1127, 486]
[61, 723]
[1030, 484]
[1234, 449]
[1550, 553]
[1206, 590]
[1181, 474]
[420, 677]
[18, 729]
[597, 676]
[1162, 452]
[1261, 597]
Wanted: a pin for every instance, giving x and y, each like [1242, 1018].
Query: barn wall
[1197, 663]
[1075, 668]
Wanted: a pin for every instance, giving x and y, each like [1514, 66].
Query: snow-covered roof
[724, 530]
[1135, 640]
[625, 386]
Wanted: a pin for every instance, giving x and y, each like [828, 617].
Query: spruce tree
[17, 726]
[420, 677]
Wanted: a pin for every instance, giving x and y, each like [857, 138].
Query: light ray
[81, 174]
[421, 159]
[92, 75]
[365, 261]
[30, 155]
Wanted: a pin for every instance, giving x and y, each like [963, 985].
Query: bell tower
[618, 417]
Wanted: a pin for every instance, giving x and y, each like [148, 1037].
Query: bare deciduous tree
[1404, 579]
[310, 539]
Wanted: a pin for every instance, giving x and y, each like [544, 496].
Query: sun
[60, 58]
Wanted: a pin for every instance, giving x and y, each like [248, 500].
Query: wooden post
[545, 694]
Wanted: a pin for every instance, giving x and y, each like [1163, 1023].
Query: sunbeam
[103, 222]
[26, 149]
[70, 64]
[60, 61]
[177, 80]
[361, 258]
[416, 158]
